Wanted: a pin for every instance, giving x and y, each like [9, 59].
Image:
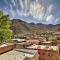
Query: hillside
[20, 27]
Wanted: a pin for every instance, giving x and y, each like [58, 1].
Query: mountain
[21, 27]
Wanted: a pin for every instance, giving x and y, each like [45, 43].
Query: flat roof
[46, 42]
[3, 45]
[27, 52]
[45, 47]
[19, 40]
[56, 33]
[18, 54]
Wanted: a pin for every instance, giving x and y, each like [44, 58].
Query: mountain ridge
[21, 27]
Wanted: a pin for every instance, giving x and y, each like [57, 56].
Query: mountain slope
[20, 27]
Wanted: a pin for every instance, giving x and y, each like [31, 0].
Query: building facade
[46, 52]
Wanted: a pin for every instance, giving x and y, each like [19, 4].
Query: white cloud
[57, 20]
[11, 11]
[36, 0]
[13, 2]
[37, 11]
[50, 18]
[21, 4]
[18, 12]
[34, 9]
[50, 9]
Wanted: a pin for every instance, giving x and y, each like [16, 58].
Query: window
[39, 58]
[43, 59]
[42, 53]
[50, 55]
[38, 52]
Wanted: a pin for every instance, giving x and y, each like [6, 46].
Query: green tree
[53, 40]
[5, 31]
[1, 14]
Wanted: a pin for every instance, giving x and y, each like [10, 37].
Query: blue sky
[37, 11]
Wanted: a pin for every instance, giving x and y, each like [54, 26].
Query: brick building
[35, 39]
[46, 52]
[6, 47]
[57, 34]
[46, 43]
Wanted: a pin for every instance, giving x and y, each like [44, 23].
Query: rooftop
[45, 47]
[47, 42]
[56, 33]
[20, 40]
[18, 54]
[26, 52]
[3, 45]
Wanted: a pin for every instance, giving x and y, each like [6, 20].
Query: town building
[46, 52]
[6, 47]
[20, 54]
[21, 43]
[35, 39]
[46, 43]
[19, 40]
[56, 34]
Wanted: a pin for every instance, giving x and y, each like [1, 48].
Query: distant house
[46, 43]
[21, 43]
[19, 40]
[56, 34]
[20, 36]
[35, 39]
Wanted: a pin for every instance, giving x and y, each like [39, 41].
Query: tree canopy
[5, 31]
